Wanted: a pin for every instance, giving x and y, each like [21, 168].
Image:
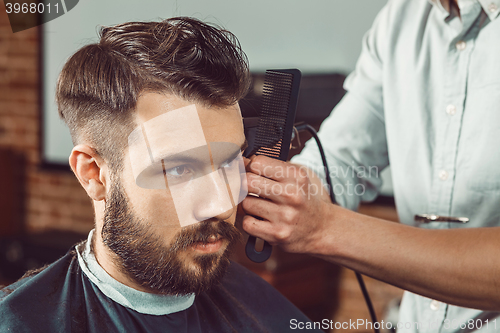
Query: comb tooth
[279, 99]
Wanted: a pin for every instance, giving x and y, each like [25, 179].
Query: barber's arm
[456, 266]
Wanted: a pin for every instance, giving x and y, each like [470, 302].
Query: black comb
[274, 130]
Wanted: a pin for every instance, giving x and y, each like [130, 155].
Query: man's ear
[91, 171]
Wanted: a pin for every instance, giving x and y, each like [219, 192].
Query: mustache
[204, 232]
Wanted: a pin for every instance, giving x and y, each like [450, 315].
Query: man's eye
[178, 171]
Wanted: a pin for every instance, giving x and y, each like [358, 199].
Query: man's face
[170, 215]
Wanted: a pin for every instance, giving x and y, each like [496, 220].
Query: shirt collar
[490, 7]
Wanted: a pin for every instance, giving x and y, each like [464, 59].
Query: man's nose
[213, 199]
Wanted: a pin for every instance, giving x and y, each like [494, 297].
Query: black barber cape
[62, 299]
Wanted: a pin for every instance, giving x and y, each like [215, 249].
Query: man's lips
[213, 244]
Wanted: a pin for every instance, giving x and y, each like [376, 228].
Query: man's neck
[454, 7]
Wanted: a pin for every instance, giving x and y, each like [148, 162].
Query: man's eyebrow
[189, 158]
[195, 155]
[180, 158]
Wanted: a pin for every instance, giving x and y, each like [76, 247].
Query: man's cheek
[155, 208]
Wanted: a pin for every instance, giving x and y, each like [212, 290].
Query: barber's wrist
[322, 238]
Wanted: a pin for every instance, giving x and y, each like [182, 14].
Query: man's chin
[203, 259]
[198, 271]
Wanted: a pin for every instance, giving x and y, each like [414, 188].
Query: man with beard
[153, 112]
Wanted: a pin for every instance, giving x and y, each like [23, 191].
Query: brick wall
[53, 199]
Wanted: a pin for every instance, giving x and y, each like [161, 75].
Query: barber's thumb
[246, 161]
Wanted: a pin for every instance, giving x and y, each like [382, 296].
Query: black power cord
[302, 127]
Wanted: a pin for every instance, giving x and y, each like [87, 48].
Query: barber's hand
[292, 202]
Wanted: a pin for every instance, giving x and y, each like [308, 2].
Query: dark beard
[143, 257]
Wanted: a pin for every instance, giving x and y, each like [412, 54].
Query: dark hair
[99, 85]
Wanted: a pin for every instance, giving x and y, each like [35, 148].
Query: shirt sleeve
[354, 136]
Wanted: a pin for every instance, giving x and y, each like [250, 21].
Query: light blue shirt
[424, 98]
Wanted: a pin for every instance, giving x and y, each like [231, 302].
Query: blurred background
[44, 211]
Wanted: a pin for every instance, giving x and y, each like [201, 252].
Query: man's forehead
[151, 105]
[172, 132]
[178, 128]
[219, 124]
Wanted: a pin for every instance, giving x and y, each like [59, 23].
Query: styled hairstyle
[98, 88]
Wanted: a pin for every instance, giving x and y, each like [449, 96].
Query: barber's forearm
[460, 267]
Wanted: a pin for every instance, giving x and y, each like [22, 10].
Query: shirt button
[492, 7]
[435, 305]
[451, 109]
[461, 45]
[443, 175]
